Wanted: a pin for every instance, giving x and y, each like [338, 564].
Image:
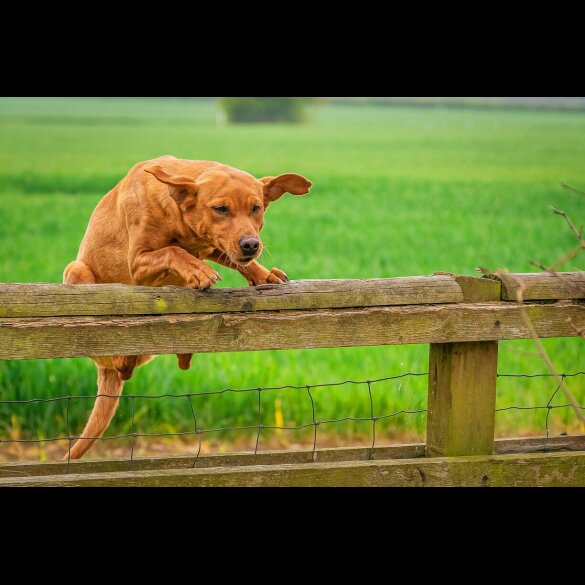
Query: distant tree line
[293, 109]
[264, 109]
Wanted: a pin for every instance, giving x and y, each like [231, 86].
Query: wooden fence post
[462, 387]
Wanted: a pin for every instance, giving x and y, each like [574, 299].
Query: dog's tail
[109, 390]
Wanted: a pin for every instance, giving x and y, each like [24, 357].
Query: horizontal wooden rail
[544, 286]
[49, 321]
[532, 469]
[54, 300]
[52, 337]
[283, 457]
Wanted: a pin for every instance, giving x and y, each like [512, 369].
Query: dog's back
[104, 247]
[137, 198]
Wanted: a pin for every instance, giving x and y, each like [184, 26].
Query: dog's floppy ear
[179, 185]
[276, 187]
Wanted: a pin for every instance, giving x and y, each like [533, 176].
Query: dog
[155, 228]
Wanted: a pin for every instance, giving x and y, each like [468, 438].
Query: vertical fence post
[462, 387]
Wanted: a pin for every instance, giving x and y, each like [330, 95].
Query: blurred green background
[398, 191]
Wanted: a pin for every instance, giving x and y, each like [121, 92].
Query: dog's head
[226, 206]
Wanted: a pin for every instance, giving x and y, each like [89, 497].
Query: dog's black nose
[249, 245]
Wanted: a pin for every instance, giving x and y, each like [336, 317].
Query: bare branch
[573, 189]
[505, 277]
[569, 255]
[539, 265]
[568, 220]
[564, 259]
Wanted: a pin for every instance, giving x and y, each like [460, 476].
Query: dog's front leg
[151, 267]
[256, 274]
[253, 272]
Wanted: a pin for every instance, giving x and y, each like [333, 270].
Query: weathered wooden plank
[49, 337]
[542, 444]
[475, 289]
[31, 300]
[462, 398]
[533, 469]
[542, 286]
[462, 388]
[408, 451]
[215, 460]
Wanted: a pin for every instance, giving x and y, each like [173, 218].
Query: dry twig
[573, 189]
[577, 233]
[571, 225]
[506, 277]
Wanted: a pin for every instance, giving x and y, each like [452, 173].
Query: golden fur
[155, 228]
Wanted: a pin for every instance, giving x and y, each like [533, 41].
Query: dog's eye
[221, 209]
[256, 209]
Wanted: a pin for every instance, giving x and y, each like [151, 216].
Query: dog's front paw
[202, 276]
[274, 276]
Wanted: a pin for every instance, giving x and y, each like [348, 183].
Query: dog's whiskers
[229, 261]
[265, 252]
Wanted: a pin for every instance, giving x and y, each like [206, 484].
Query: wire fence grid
[199, 432]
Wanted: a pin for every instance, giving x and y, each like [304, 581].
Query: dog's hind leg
[112, 371]
[125, 365]
[184, 360]
[109, 390]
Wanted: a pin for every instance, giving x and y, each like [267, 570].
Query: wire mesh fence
[315, 422]
[547, 408]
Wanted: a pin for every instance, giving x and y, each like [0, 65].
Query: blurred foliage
[264, 109]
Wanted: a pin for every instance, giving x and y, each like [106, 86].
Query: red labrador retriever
[155, 228]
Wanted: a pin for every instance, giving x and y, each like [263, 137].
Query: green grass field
[397, 191]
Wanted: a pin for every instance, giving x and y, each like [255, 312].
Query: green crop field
[397, 191]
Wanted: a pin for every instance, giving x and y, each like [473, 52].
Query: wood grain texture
[533, 469]
[462, 398]
[32, 300]
[216, 460]
[539, 444]
[51, 337]
[476, 289]
[546, 286]
[462, 388]
[408, 451]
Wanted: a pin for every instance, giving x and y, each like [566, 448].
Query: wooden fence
[461, 317]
